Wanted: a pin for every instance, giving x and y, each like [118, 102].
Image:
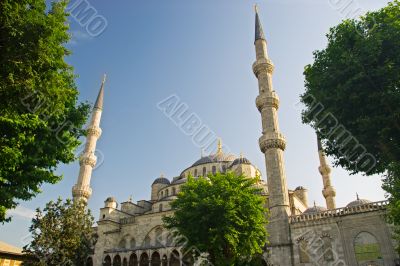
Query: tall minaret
[272, 144]
[87, 161]
[329, 191]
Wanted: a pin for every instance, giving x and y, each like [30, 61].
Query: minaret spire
[259, 33]
[329, 191]
[87, 161]
[272, 144]
[219, 146]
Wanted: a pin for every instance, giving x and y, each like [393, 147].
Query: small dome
[241, 160]
[315, 209]
[161, 180]
[358, 202]
[300, 188]
[111, 199]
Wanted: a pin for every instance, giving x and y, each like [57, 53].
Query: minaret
[81, 190]
[272, 144]
[329, 191]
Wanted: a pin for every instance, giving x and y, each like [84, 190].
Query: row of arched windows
[144, 260]
[166, 192]
[204, 172]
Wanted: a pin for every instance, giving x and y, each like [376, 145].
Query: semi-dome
[161, 180]
[241, 160]
[314, 209]
[358, 202]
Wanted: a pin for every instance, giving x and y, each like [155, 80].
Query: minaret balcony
[81, 191]
[88, 159]
[324, 170]
[263, 64]
[329, 192]
[267, 99]
[94, 131]
[272, 140]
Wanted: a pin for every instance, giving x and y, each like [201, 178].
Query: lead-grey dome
[110, 199]
[358, 202]
[241, 160]
[215, 158]
[315, 209]
[161, 180]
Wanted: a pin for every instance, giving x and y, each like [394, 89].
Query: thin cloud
[78, 36]
[22, 212]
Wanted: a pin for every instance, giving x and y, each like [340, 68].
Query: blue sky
[202, 52]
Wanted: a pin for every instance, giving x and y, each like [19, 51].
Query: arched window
[146, 242]
[160, 207]
[133, 261]
[195, 172]
[162, 194]
[367, 248]
[223, 169]
[144, 259]
[133, 243]
[122, 244]
[173, 191]
[125, 262]
[107, 261]
[167, 193]
[174, 259]
[155, 259]
[204, 171]
[214, 170]
[165, 260]
[117, 261]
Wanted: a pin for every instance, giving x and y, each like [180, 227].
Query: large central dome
[215, 158]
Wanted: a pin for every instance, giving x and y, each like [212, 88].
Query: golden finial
[219, 146]
[130, 198]
[241, 155]
[256, 8]
[162, 174]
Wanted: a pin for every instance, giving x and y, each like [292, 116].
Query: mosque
[132, 233]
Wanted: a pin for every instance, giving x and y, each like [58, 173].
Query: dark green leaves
[223, 215]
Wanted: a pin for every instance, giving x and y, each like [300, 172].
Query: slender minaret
[272, 144]
[87, 161]
[329, 191]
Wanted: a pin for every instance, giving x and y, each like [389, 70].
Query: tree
[222, 215]
[352, 97]
[40, 119]
[62, 234]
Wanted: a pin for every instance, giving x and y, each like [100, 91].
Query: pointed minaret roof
[100, 96]
[319, 143]
[259, 30]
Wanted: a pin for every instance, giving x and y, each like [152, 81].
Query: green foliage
[392, 186]
[62, 234]
[356, 79]
[40, 121]
[223, 215]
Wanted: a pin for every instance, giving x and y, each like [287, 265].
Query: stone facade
[133, 233]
